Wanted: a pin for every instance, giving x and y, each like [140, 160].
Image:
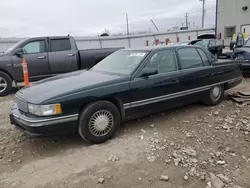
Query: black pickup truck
[46, 57]
[127, 84]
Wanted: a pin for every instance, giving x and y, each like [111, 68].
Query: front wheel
[214, 96]
[98, 122]
[5, 84]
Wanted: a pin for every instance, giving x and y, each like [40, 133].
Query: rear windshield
[121, 62]
[203, 43]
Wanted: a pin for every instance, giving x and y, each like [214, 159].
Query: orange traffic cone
[25, 73]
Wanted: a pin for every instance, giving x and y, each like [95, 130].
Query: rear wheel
[98, 122]
[214, 96]
[5, 84]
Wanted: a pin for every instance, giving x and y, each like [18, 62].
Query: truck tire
[98, 122]
[5, 84]
[214, 96]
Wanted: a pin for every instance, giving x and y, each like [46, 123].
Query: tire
[92, 120]
[5, 84]
[214, 96]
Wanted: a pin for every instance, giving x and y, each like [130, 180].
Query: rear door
[194, 75]
[156, 92]
[36, 53]
[62, 55]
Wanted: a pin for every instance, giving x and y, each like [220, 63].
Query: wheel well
[6, 72]
[115, 101]
[118, 103]
[225, 86]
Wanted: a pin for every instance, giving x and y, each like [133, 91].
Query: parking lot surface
[193, 146]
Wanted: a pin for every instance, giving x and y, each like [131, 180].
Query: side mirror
[19, 52]
[148, 72]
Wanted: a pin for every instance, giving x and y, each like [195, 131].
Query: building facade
[233, 17]
[126, 41]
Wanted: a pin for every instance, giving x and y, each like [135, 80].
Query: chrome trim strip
[175, 95]
[64, 118]
[126, 106]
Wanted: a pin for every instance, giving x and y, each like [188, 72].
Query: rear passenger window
[57, 45]
[204, 57]
[189, 58]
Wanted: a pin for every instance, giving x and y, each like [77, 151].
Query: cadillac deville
[127, 84]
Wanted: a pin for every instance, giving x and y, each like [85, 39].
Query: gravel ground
[190, 147]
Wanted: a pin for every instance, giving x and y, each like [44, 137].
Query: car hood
[66, 84]
[246, 49]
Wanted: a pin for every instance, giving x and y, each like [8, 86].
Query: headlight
[45, 110]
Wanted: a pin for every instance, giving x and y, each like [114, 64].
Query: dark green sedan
[129, 83]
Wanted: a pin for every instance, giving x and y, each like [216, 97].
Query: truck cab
[45, 57]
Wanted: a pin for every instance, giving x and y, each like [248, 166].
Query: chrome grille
[22, 105]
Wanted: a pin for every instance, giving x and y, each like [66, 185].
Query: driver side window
[34, 47]
[164, 61]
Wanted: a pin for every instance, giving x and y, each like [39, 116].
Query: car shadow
[51, 146]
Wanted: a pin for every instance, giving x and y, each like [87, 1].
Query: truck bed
[90, 57]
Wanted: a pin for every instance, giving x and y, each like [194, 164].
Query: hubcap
[101, 123]
[3, 84]
[215, 92]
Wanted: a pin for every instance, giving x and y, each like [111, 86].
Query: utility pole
[186, 20]
[203, 12]
[127, 24]
[216, 19]
[129, 43]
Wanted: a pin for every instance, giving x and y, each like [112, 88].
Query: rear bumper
[43, 126]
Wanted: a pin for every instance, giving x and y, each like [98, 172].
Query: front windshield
[121, 62]
[14, 46]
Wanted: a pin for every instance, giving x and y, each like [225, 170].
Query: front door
[36, 54]
[62, 58]
[156, 92]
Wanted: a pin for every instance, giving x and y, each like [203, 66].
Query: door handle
[41, 57]
[70, 55]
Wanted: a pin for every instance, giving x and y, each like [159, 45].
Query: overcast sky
[21, 18]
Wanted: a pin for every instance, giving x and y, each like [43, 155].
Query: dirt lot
[190, 147]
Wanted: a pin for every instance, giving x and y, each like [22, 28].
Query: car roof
[155, 48]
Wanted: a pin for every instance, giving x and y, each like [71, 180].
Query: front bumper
[43, 126]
